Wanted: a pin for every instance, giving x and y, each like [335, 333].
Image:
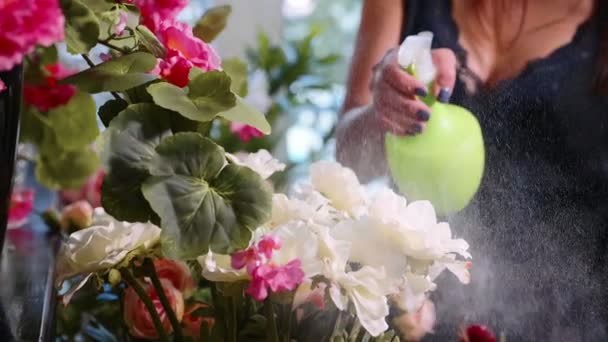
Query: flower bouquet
[190, 242]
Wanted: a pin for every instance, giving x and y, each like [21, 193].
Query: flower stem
[271, 323]
[131, 281]
[113, 47]
[151, 272]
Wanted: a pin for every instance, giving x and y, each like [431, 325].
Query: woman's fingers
[402, 115]
[403, 82]
[446, 63]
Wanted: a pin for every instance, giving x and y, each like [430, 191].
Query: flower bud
[114, 277]
[76, 216]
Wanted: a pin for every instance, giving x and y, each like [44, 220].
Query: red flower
[245, 132]
[177, 273]
[25, 24]
[138, 319]
[477, 333]
[2, 86]
[50, 95]
[192, 323]
[21, 206]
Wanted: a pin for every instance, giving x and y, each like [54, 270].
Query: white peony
[261, 162]
[103, 246]
[340, 185]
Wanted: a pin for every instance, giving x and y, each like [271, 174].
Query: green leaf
[237, 70]
[117, 74]
[202, 204]
[212, 23]
[111, 109]
[47, 55]
[128, 146]
[68, 170]
[32, 126]
[207, 95]
[75, 122]
[248, 115]
[140, 93]
[82, 26]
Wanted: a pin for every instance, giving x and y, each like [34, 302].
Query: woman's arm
[360, 137]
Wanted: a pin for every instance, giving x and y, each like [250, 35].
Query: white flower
[413, 292]
[340, 185]
[298, 241]
[101, 247]
[216, 267]
[313, 207]
[416, 50]
[257, 92]
[261, 162]
[366, 289]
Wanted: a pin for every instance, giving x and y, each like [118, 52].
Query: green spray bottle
[445, 163]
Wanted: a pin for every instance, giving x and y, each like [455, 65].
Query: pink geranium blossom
[2, 86]
[184, 51]
[276, 278]
[50, 95]
[21, 206]
[245, 132]
[155, 11]
[264, 273]
[177, 272]
[120, 23]
[25, 24]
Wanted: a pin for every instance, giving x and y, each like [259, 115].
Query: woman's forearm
[360, 143]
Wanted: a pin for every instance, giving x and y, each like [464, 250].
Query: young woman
[535, 73]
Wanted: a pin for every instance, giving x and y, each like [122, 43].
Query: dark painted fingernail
[417, 128]
[444, 95]
[420, 92]
[423, 115]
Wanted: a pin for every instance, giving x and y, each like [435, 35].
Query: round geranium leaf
[128, 146]
[67, 170]
[82, 26]
[75, 122]
[118, 74]
[207, 95]
[203, 203]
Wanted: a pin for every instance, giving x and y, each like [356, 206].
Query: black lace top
[538, 226]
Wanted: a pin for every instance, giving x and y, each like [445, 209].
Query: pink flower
[249, 258]
[77, 215]
[192, 323]
[90, 191]
[137, 317]
[268, 244]
[21, 206]
[245, 132]
[50, 95]
[177, 272]
[175, 69]
[184, 51]
[25, 24]
[155, 11]
[276, 278]
[121, 23]
[105, 56]
[2, 86]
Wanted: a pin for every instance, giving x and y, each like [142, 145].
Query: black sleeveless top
[538, 226]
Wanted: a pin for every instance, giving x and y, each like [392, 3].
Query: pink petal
[2, 86]
[269, 243]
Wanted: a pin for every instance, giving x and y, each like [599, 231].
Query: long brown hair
[600, 13]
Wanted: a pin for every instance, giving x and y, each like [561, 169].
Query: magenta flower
[477, 333]
[245, 132]
[154, 12]
[2, 86]
[276, 278]
[25, 24]
[184, 51]
[249, 258]
[50, 95]
[21, 206]
[268, 244]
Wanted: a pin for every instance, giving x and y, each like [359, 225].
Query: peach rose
[137, 317]
[177, 272]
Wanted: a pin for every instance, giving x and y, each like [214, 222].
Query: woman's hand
[394, 92]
